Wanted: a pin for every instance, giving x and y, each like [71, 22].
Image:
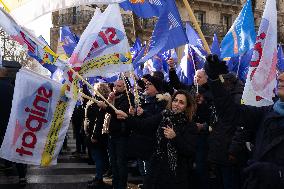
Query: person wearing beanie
[154, 85]
[154, 102]
[167, 86]
[141, 82]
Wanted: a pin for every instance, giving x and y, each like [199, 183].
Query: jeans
[99, 159]
[118, 157]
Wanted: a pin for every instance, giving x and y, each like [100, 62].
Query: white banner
[103, 49]
[38, 121]
[25, 11]
[261, 79]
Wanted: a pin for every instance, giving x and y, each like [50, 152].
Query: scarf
[279, 107]
[165, 147]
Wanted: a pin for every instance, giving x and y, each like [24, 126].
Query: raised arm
[225, 106]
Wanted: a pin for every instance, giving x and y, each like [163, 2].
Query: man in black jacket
[118, 135]
[266, 168]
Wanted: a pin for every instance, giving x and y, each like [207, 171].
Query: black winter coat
[6, 93]
[118, 128]
[159, 175]
[93, 125]
[224, 130]
[142, 145]
[266, 125]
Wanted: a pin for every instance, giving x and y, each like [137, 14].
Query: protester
[175, 141]
[265, 169]
[96, 140]
[200, 79]
[205, 119]
[141, 146]
[78, 126]
[167, 87]
[118, 134]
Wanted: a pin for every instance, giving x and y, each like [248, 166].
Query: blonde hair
[102, 88]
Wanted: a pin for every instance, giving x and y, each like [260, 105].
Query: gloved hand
[263, 175]
[215, 67]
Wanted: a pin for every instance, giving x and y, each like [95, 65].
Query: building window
[226, 21]
[200, 17]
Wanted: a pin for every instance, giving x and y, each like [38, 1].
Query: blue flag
[240, 66]
[51, 67]
[280, 57]
[135, 49]
[168, 33]
[165, 57]
[215, 48]
[68, 39]
[193, 37]
[140, 54]
[186, 70]
[241, 36]
[145, 9]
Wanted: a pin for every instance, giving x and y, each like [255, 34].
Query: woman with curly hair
[172, 159]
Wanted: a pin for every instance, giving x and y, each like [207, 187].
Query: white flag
[39, 120]
[103, 49]
[25, 11]
[261, 78]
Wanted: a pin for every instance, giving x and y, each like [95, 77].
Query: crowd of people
[182, 136]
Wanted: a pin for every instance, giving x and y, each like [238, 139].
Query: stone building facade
[214, 16]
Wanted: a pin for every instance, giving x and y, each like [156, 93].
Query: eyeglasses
[148, 83]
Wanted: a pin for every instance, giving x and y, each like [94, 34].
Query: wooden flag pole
[91, 87]
[5, 6]
[196, 25]
[89, 98]
[136, 95]
[126, 90]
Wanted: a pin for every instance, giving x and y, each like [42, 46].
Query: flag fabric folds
[241, 36]
[261, 79]
[145, 8]
[103, 49]
[240, 65]
[38, 122]
[187, 68]
[193, 38]
[68, 39]
[168, 32]
[26, 11]
[37, 48]
[215, 47]
[135, 49]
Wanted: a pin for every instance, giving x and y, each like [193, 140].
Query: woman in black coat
[174, 152]
[96, 140]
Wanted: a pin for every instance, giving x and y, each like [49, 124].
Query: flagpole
[125, 85]
[194, 67]
[89, 98]
[196, 25]
[5, 6]
[91, 87]
[136, 95]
